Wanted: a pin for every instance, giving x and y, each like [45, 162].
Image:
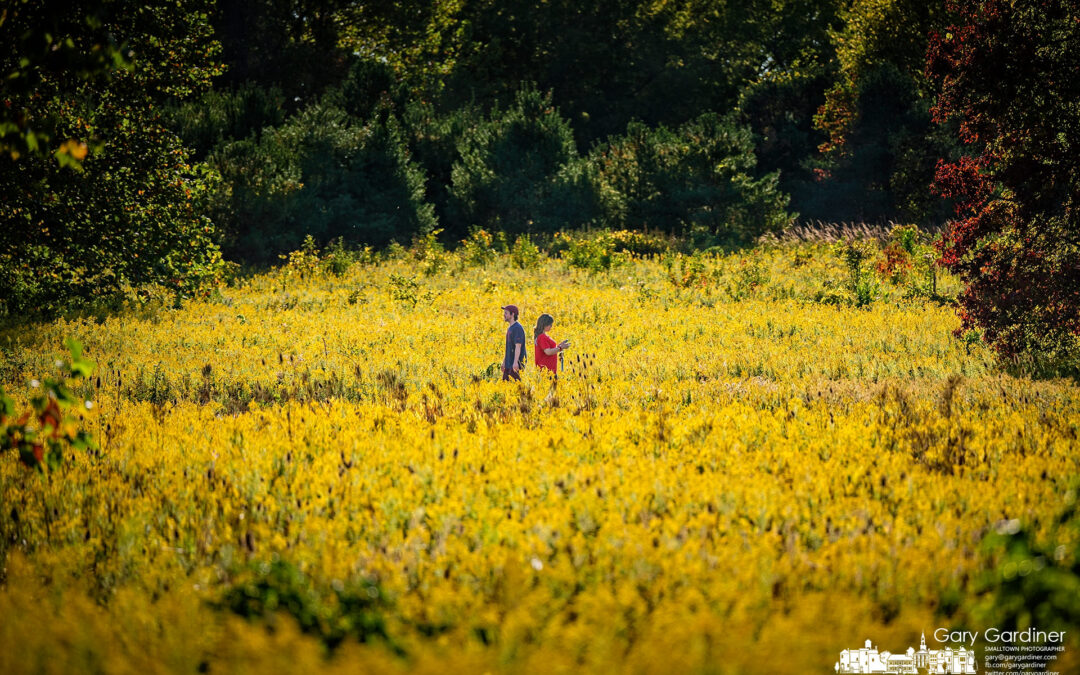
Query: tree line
[143, 142]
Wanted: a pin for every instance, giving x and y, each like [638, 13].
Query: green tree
[135, 213]
[878, 157]
[433, 140]
[696, 177]
[220, 116]
[290, 45]
[519, 171]
[322, 173]
[779, 109]
[44, 42]
[607, 62]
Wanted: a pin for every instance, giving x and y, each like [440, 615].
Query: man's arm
[517, 355]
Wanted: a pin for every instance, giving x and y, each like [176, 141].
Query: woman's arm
[552, 351]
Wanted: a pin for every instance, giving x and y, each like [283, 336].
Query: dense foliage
[519, 171]
[881, 147]
[319, 174]
[1008, 76]
[45, 435]
[697, 178]
[453, 72]
[134, 211]
[290, 45]
[40, 42]
[607, 62]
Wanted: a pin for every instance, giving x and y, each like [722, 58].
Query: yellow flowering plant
[333, 477]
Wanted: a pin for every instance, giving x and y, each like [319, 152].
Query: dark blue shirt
[515, 335]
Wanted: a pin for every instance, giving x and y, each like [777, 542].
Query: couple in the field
[546, 351]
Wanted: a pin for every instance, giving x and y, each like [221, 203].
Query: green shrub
[866, 291]
[394, 251]
[337, 259]
[308, 260]
[595, 254]
[856, 255]
[321, 173]
[519, 171]
[1031, 580]
[477, 250]
[304, 261]
[831, 293]
[429, 252]
[524, 254]
[699, 175]
[351, 609]
[406, 291]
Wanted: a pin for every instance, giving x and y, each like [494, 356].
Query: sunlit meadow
[739, 470]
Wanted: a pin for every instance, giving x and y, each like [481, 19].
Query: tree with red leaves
[1008, 71]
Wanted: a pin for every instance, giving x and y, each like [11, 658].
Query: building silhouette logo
[945, 661]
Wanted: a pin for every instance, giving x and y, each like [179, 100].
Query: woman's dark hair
[542, 322]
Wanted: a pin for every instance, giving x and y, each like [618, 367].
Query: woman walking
[547, 350]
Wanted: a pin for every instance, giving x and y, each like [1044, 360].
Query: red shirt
[543, 360]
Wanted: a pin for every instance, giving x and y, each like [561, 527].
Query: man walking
[514, 358]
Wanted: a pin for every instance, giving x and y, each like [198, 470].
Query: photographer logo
[870, 660]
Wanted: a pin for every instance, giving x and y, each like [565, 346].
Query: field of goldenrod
[733, 474]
